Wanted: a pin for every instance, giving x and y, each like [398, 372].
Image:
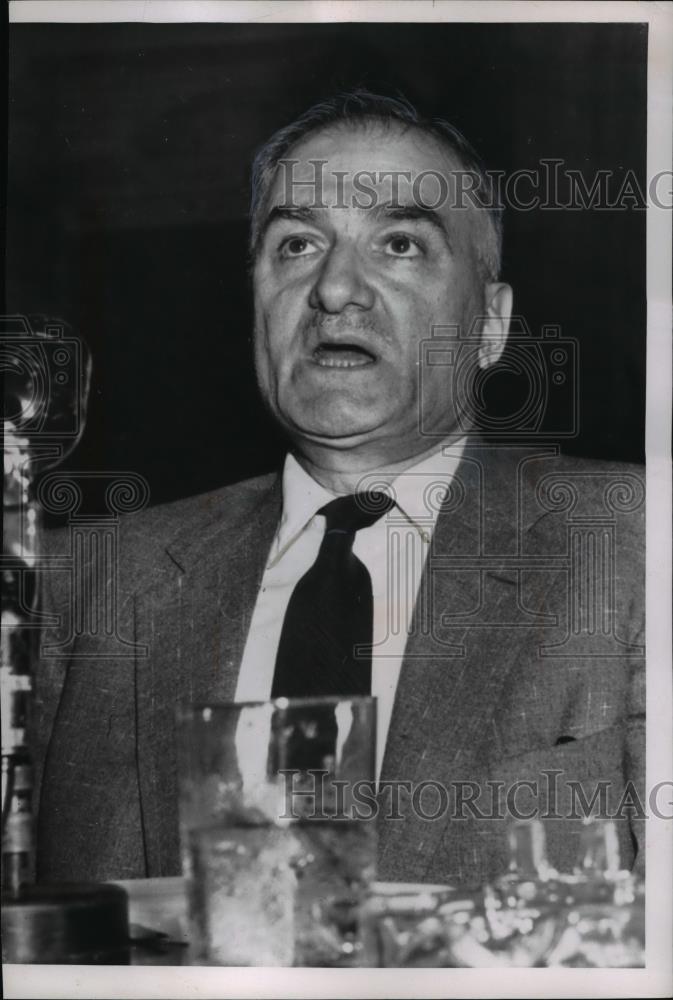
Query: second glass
[277, 816]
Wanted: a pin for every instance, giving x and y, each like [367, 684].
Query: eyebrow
[402, 213]
[295, 214]
[415, 213]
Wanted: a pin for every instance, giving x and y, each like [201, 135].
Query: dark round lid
[66, 923]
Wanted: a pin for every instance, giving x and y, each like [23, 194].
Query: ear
[498, 300]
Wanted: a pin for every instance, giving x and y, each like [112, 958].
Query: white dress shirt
[393, 549]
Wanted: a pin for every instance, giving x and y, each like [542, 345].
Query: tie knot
[355, 511]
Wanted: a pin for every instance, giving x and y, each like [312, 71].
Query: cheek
[441, 385]
[271, 352]
[262, 363]
[418, 303]
[263, 346]
[280, 312]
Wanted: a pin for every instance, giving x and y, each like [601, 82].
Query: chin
[335, 435]
[334, 422]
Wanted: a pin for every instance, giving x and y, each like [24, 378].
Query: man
[502, 586]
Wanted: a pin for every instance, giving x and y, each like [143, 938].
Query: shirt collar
[302, 499]
[418, 492]
[420, 489]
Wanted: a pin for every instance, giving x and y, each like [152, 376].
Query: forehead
[388, 158]
[375, 146]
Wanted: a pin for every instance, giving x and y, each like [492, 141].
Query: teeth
[342, 362]
[342, 356]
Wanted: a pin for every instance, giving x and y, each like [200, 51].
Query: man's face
[344, 294]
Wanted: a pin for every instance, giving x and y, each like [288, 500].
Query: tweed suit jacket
[521, 690]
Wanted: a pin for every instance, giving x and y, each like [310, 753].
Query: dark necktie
[331, 610]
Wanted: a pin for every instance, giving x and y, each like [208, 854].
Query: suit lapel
[196, 625]
[451, 676]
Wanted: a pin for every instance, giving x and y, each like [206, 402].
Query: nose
[341, 282]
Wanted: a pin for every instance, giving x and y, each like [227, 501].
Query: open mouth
[342, 356]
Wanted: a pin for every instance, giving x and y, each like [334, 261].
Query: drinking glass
[277, 816]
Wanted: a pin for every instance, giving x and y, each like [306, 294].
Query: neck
[340, 473]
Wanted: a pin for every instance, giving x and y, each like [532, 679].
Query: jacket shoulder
[145, 536]
[227, 506]
[580, 487]
[594, 500]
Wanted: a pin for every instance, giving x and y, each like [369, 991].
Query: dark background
[129, 152]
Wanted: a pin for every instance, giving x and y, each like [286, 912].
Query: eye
[401, 245]
[296, 246]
